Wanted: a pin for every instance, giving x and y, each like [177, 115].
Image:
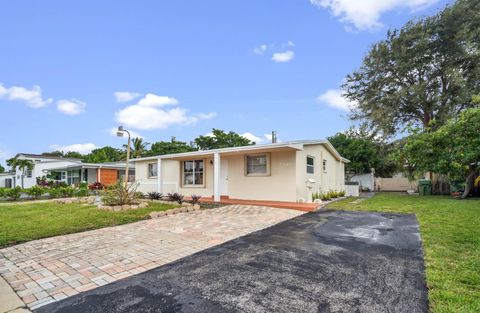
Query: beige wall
[279, 185]
[331, 179]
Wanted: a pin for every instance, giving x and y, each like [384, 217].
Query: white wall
[365, 180]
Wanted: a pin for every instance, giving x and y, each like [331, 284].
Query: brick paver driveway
[46, 270]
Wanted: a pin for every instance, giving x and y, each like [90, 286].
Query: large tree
[105, 154]
[421, 75]
[365, 151]
[221, 139]
[2, 169]
[169, 147]
[452, 149]
[138, 148]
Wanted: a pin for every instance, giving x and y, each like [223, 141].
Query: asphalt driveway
[327, 261]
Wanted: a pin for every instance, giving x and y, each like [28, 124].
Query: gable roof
[50, 157]
[297, 145]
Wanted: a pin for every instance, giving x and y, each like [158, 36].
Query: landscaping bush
[139, 195]
[44, 182]
[316, 195]
[13, 193]
[82, 192]
[54, 193]
[2, 192]
[195, 199]
[35, 191]
[66, 192]
[96, 186]
[154, 195]
[326, 197]
[341, 193]
[175, 197]
[118, 194]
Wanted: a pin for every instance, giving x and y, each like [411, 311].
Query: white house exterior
[288, 171]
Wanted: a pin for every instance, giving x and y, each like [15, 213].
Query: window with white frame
[324, 165]
[257, 164]
[152, 170]
[28, 173]
[193, 173]
[310, 164]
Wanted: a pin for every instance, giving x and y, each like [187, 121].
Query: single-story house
[69, 170]
[287, 171]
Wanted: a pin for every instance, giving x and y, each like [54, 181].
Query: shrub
[44, 182]
[195, 199]
[341, 193]
[154, 195]
[118, 194]
[326, 197]
[35, 191]
[316, 195]
[66, 192]
[13, 193]
[82, 192]
[175, 197]
[2, 192]
[96, 186]
[54, 192]
[139, 195]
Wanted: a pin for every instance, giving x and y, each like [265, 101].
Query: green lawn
[24, 222]
[450, 232]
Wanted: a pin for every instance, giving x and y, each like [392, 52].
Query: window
[310, 164]
[193, 173]
[325, 165]
[28, 173]
[152, 170]
[257, 165]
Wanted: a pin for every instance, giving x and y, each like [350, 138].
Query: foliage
[29, 221]
[453, 149]
[118, 194]
[105, 154]
[82, 191]
[2, 192]
[221, 139]
[175, 197]
[365, 151]
[66, 192]
[169, 147]
[35, 191]
[451, 241]
[421, 75]
[43, 181]
[68, 154]
[139, 148]
[54, 193]
[2, 169]
[195, 199]
[96, 186]
[154, 195]
[13, 193]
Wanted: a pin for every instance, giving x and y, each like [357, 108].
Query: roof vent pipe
[274, 136]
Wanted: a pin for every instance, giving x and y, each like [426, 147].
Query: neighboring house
[69, 170]
[40, 164]
[288, 171]
[105, 173]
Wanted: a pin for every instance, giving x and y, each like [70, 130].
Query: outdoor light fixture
[120, 132]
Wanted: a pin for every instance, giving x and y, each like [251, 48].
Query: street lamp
[120, 132]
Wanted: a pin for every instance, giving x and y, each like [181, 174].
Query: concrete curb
[9, 300]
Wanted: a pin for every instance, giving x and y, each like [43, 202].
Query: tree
[221, 139]
[69, 154]
[105, 154]
[169, 147]
[453, 149]
[421, 75]
[22, 164]
[139, 147]
[2, 169]
[365, 151]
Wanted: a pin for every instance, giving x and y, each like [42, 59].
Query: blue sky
[184, 67]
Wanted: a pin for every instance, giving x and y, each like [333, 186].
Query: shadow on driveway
[326, 261]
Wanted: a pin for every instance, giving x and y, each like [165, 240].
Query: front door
[224, 177]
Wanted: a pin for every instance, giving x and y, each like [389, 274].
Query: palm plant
[139, 147]
[22, 164]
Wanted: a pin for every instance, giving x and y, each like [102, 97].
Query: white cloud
[124, 96]
[281, 57]
[334, 99]
[133, 134]
[153, 100]
[365, 14]
[260, 50]
[32, 97]
[83, 148]
[252, 137]
[148, 114]
[71, 107]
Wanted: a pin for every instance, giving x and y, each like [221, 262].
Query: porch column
[216, 177]
[159, 176]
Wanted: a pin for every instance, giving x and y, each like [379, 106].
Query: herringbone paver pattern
[47, 270]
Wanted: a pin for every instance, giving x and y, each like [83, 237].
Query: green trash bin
[425, 187]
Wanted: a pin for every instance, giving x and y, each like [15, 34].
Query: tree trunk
[468, 183]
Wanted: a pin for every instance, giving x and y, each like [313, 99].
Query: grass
[450, 231]
[25, 222]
